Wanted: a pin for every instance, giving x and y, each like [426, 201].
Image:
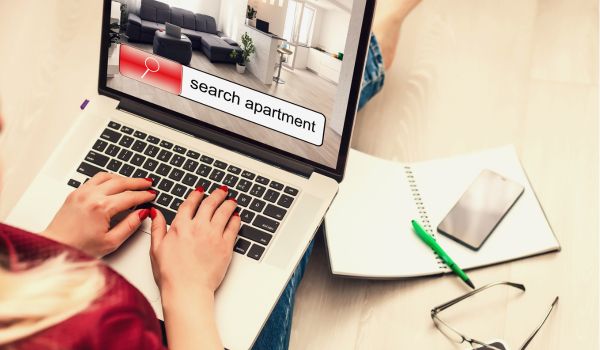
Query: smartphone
[480, 209]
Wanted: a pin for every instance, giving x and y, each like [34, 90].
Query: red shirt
[119, 318]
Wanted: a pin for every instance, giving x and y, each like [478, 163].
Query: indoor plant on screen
[247, 50]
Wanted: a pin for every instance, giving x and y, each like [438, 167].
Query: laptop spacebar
[168, 214]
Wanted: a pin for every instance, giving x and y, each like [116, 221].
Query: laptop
[282, 152]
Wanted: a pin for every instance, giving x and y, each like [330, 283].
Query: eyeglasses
[458, 337]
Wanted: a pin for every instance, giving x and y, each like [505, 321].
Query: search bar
[150, 69]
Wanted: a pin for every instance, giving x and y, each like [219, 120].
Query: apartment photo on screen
[264, 69]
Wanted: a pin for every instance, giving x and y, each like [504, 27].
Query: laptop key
[257, 205]
[275, 212]
[176, 174]
[140, 135]
[138, 159]
[100, 145]
[151, 151]
[125, 155]
[204, 170]
[271, 196]
[126, 141]
[153, 140]
[232, 193]
[127, 170]
[204, 183]
[150, 164]
[241, 246]
[276, 185]
[265, 223]
[192, 154]
[139, 146]
[169, 214]
[155, 179]
[165, 185]
[230, 180]
[212, 188]
[114, 165]
[244, 200]
[248, 175]
[219, 164]
[163, 169]
[166, 144]
[190, 179]
[262, 180]
[244, 185]
[256, 251]
[247, 216]
[97, 158]
[164, 155]
[74, 183]
[88, 169]
[190, 165]
[112, 150]
[126, 130]
[217, 175]
[291, 191]
[257, 190]
[179, 190]
[234, 170]
[176, 203]
[179, 149]
[177, 160]
[164, 199]
[285, 201]
[110, 135]
[206, 159]
[114, 125]
[140, 173]
[255, 235]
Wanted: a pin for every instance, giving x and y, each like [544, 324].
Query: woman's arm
[189, 263]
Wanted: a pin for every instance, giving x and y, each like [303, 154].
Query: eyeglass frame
[436, 310]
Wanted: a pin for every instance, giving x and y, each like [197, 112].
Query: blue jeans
[275, 335]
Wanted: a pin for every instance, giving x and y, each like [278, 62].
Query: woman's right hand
[196, 251]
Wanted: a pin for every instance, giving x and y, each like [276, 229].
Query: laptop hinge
[229, 142]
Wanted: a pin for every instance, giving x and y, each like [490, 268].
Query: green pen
[425, 237]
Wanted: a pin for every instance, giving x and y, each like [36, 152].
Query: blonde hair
[39, 297]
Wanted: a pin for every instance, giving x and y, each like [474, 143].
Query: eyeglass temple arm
[535, 332]
[442, 307]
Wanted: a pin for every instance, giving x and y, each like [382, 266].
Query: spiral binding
[423, 215]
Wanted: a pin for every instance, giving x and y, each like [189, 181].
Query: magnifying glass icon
[148, 69]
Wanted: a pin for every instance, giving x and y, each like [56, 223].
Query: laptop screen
[288, 90]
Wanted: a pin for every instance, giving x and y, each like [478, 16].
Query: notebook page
[368, 229]
[524, 231]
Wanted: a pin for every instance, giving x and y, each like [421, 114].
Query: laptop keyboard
[176, 171]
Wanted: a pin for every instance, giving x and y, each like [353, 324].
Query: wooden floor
[469, 74]
[302, 87]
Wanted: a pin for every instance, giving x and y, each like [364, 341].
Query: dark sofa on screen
[200, 29]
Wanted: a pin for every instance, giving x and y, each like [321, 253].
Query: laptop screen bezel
[337, 173]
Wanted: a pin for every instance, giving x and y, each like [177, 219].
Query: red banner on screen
[150, 69]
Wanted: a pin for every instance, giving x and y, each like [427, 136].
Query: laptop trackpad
[304, 219]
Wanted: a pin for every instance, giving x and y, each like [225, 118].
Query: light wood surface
[469, 74]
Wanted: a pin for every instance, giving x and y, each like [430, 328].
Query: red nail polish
[143, 214]
[152, 213]
[224, 188]
[232, 199]
[153, 192]
[149, 179]
[200, 189]
[235, 213]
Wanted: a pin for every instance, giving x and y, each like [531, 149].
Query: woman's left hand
[84, 219]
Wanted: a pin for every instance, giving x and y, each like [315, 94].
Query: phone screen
[480, 209]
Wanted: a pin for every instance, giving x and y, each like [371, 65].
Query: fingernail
[143, 214]
[153, 192]
[152, 213]
[224, 188]
[235, 213]
[200, 189]
[149, 179]
[232, 199]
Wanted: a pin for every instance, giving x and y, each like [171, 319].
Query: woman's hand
[84, 219]
[197, 249]
[189, 263]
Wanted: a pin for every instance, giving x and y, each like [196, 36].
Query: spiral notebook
[368, 227]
